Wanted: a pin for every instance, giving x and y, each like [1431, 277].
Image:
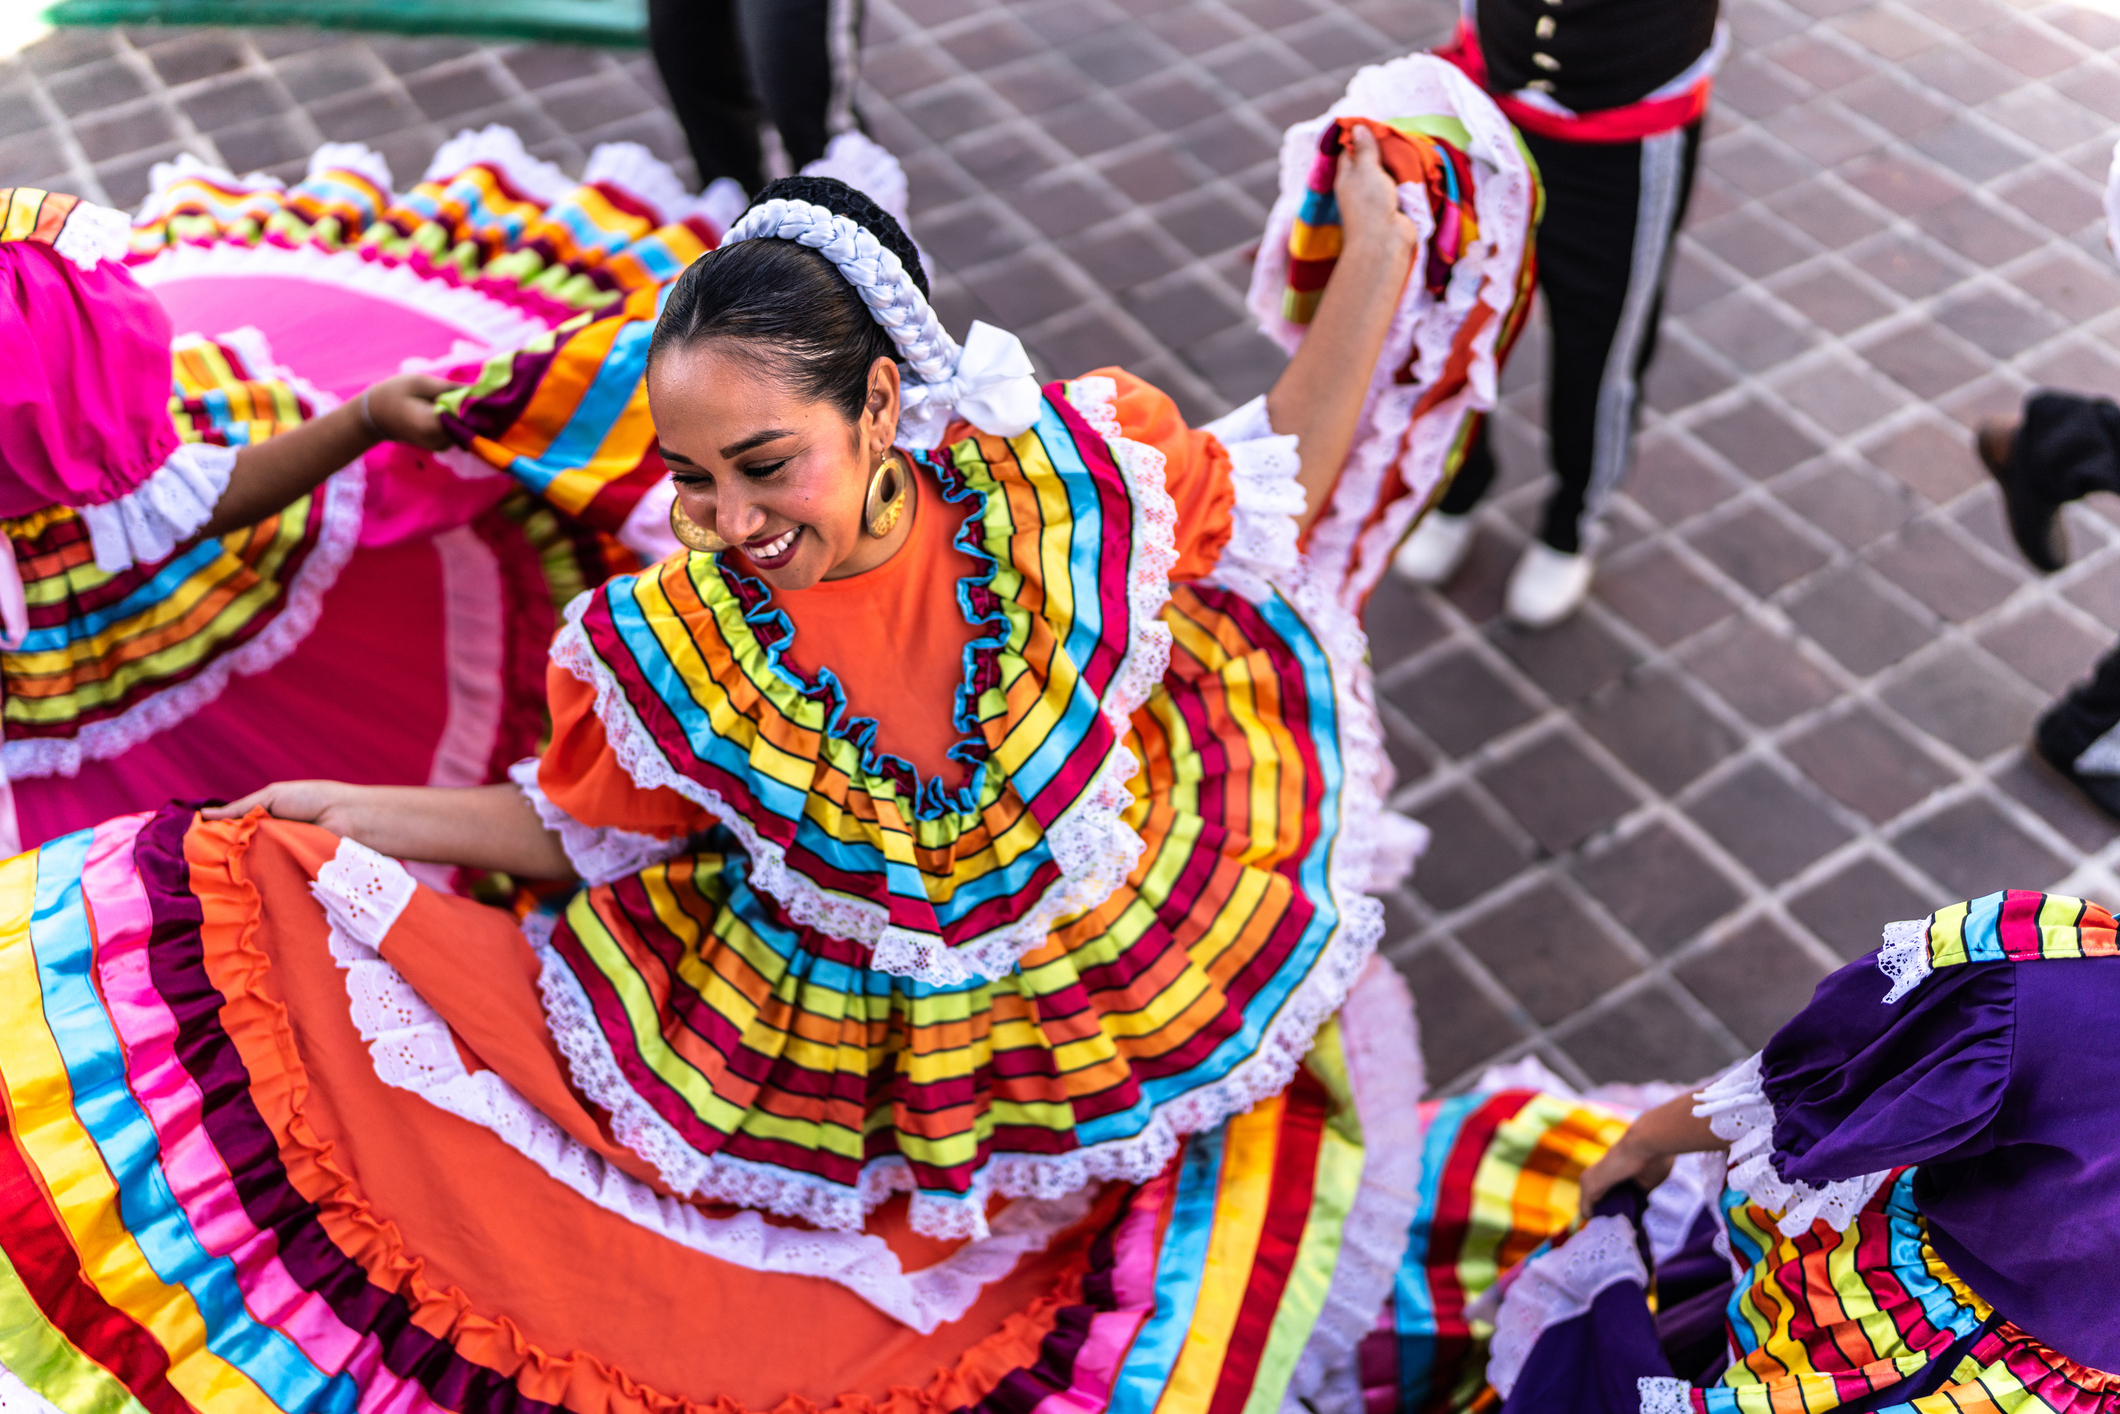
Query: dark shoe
[2101, 791]
[2035, 522]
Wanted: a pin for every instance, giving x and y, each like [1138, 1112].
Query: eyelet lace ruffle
[1557, 1287]
[152, 519]
[598, 855]
[1905, 956]
[1737, 1109]
[1264, 466]
[363, 893]
[1665, 1394]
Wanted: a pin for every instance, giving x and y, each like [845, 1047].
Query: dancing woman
[1904, 1202]
[967, 999]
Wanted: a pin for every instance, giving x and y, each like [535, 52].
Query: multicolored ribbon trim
[2019, 926]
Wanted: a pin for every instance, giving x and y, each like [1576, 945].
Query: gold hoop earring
[692, 535]
[880, 513]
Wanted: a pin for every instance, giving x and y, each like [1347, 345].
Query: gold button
[1547, 62]
[1545, 27]
[1542, 85]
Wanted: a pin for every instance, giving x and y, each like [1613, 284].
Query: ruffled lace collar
[945, 885]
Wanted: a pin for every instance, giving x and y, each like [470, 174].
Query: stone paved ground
[1795, 708]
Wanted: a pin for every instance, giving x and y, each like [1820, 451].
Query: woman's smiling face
[781, 477]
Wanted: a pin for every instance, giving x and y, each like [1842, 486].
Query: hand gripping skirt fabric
[176, 678]
[248, 1168]
[1467, 300]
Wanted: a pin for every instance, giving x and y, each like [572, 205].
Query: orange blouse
[894, 636]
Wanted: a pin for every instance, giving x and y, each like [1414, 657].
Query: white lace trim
[1560, 1286]
[488, 321]
[98, 741]
[869, 167]
[153, 518]
[1737, 1109]
[363, 893]
[1381, 1041]
[641, 175]
[498, 146]
[1905, 955]
[93, 234]
[1695, 1186]
[1266, 518]
[356, 157]
[598, 855]
[165, 177]
[1346, 549]
[1665, 1394]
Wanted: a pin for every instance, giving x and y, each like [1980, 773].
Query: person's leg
[703, 66]
[1612, 212]
[2065, 447]
[804, 55]
[2068, 446]
[2080, 734]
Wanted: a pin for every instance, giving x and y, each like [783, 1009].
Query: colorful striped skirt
[264, 1157]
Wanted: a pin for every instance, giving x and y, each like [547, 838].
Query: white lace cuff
[1269, 505]
[1905, 956]
[599, 855]
[1664, 1394]
[1737, 1109]
[145, 524]
[93, 234]
[1560, 1286]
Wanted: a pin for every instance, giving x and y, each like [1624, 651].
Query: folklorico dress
[425, 665]
[969, 1002]
[1917, 1210]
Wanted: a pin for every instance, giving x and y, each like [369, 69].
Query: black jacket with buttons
[1592, 54]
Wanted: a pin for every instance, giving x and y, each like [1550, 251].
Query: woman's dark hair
[790, 304]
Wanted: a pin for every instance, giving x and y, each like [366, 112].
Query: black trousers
[1604, 250]
[729, 63]
[2067, 447]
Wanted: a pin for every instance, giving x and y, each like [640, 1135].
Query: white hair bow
[993, 387]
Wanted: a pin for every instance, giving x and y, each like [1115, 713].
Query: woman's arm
[270, 475]
[477, 827]
[1318, 397]
[1644, 1153]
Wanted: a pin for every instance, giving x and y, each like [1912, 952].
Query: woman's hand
[1368, 197]
[1621, 1162]
[310, 802]
[401, 409]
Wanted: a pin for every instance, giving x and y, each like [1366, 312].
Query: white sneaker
[1435, 549]
[1546, 586]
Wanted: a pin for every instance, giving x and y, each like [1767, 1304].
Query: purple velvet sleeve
[1859, 1086]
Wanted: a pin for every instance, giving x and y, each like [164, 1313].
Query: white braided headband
[988, 381]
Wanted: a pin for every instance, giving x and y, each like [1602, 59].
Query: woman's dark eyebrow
[669, 456]
[755, 439]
